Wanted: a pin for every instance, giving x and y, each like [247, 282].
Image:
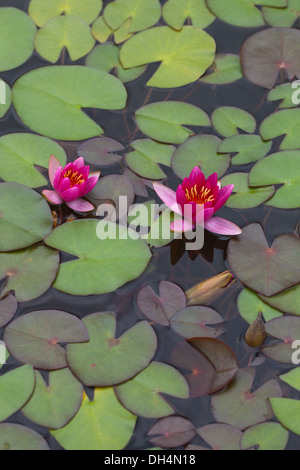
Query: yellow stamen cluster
[75, 178]
[200, 197]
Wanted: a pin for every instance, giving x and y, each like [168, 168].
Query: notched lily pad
[197, 321]
[221, 436]
[8, 308]
[287, 330]
[42, 10]
[16, 387]
[176, 12]
[100, 151]
[17, 437]
[265, 436]
[243, 196]
[226, 69]
[172, 432]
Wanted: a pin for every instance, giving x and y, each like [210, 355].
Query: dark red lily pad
[172, 432]
[286, 330]
[100, 151]
[264, 269]
[221, 436]
[269, 52]
[8, 308]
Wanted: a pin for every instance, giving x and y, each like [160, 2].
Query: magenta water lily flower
[205, 197]
[70, 184]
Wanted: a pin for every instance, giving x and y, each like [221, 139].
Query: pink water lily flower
[205, 197]
[70, 184]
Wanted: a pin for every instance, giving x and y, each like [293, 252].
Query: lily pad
[17, 437]
[287, 330]
[176, 12]
[42, 10]
[106, 57]
[279, 168]
[139, 184]
[142, 394]
[102, 32]
[161, 309]
[101, 262]
[283, 17]
[163, 121]
[34, 338]
[243, 196]
[17, 32]
[263, 272]
[265, 436]
[242, 12]
[5, 98]
[99, 425]
[184, 55]
[64, 31]
[226, 69]
[287, 411]
[250, 304]
[171, 432]
[54, 405]
[16, 387]
[194, 321]
[147, 156]
[227, 121]
[8, 308]
[106, 360]
[29, 272]
[242, 408]
[143, 14]
[49, 100]
[285, 122]
[202, 151]
[221, 436]
[267, 53]
[249, 148]
[19, 153]
[292, 378]
[287, 302]
[285, 93]
[100, 151]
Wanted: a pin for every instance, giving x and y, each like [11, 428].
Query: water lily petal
[57, 178]
[182, 225]
[70, 194]
[208, 213]
[80, 205]
[223, 195]
[196, 177]
[168, 196]
[222, 226]
[52, 197]
[64, 184]
[78, 164]
[213, 179]
[91, 183]
[54, 165]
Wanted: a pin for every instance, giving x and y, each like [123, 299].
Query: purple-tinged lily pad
[138, 183]
[34, 338]
[100, 151]
[239, 406]
[106, 360]
[268, 270]
[171, 432]
[17, 437]
[194, 321]
[8, 308]
[267, 53]
[287, 330]
[16, 387]
[221, 436]
[160, 309]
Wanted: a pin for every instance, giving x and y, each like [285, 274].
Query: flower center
[75, 178]
[200, 197]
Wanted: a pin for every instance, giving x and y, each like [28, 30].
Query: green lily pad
[221, 436]
[163, 121]
[279, 168]
[266, 54]
[106, 360]
[243, 196]
[16, 387]
[4, 354]
[67, 31]
[99, 425]
[242, 12]
[34, 338]
[54, 405]
[226, 69]
[142, 15]
[8, 308]
[184, 55]
[287, 302]
[249, 148]
[285, 122]
[287, 411]
[106, 57]
[250, 304]
[265, 436]
[5, 98]
[287, 330]
[202, 151]
[102, 32]
[227, 120]
[17, 32]
[285, 93]
[42, 10]
[242, 408]
[176, 12]
[173, 431]
[17, 437]
[147, 156]
[29, 272]
[142, 394]
[100, 267]
[100, 151]
[283, 17]
[194, 321]
[292, 378]
[263, 272]
[49, 100]
[25, 217]
[19, 153]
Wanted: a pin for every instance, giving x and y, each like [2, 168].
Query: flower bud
[256, 333]
[208, 290]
